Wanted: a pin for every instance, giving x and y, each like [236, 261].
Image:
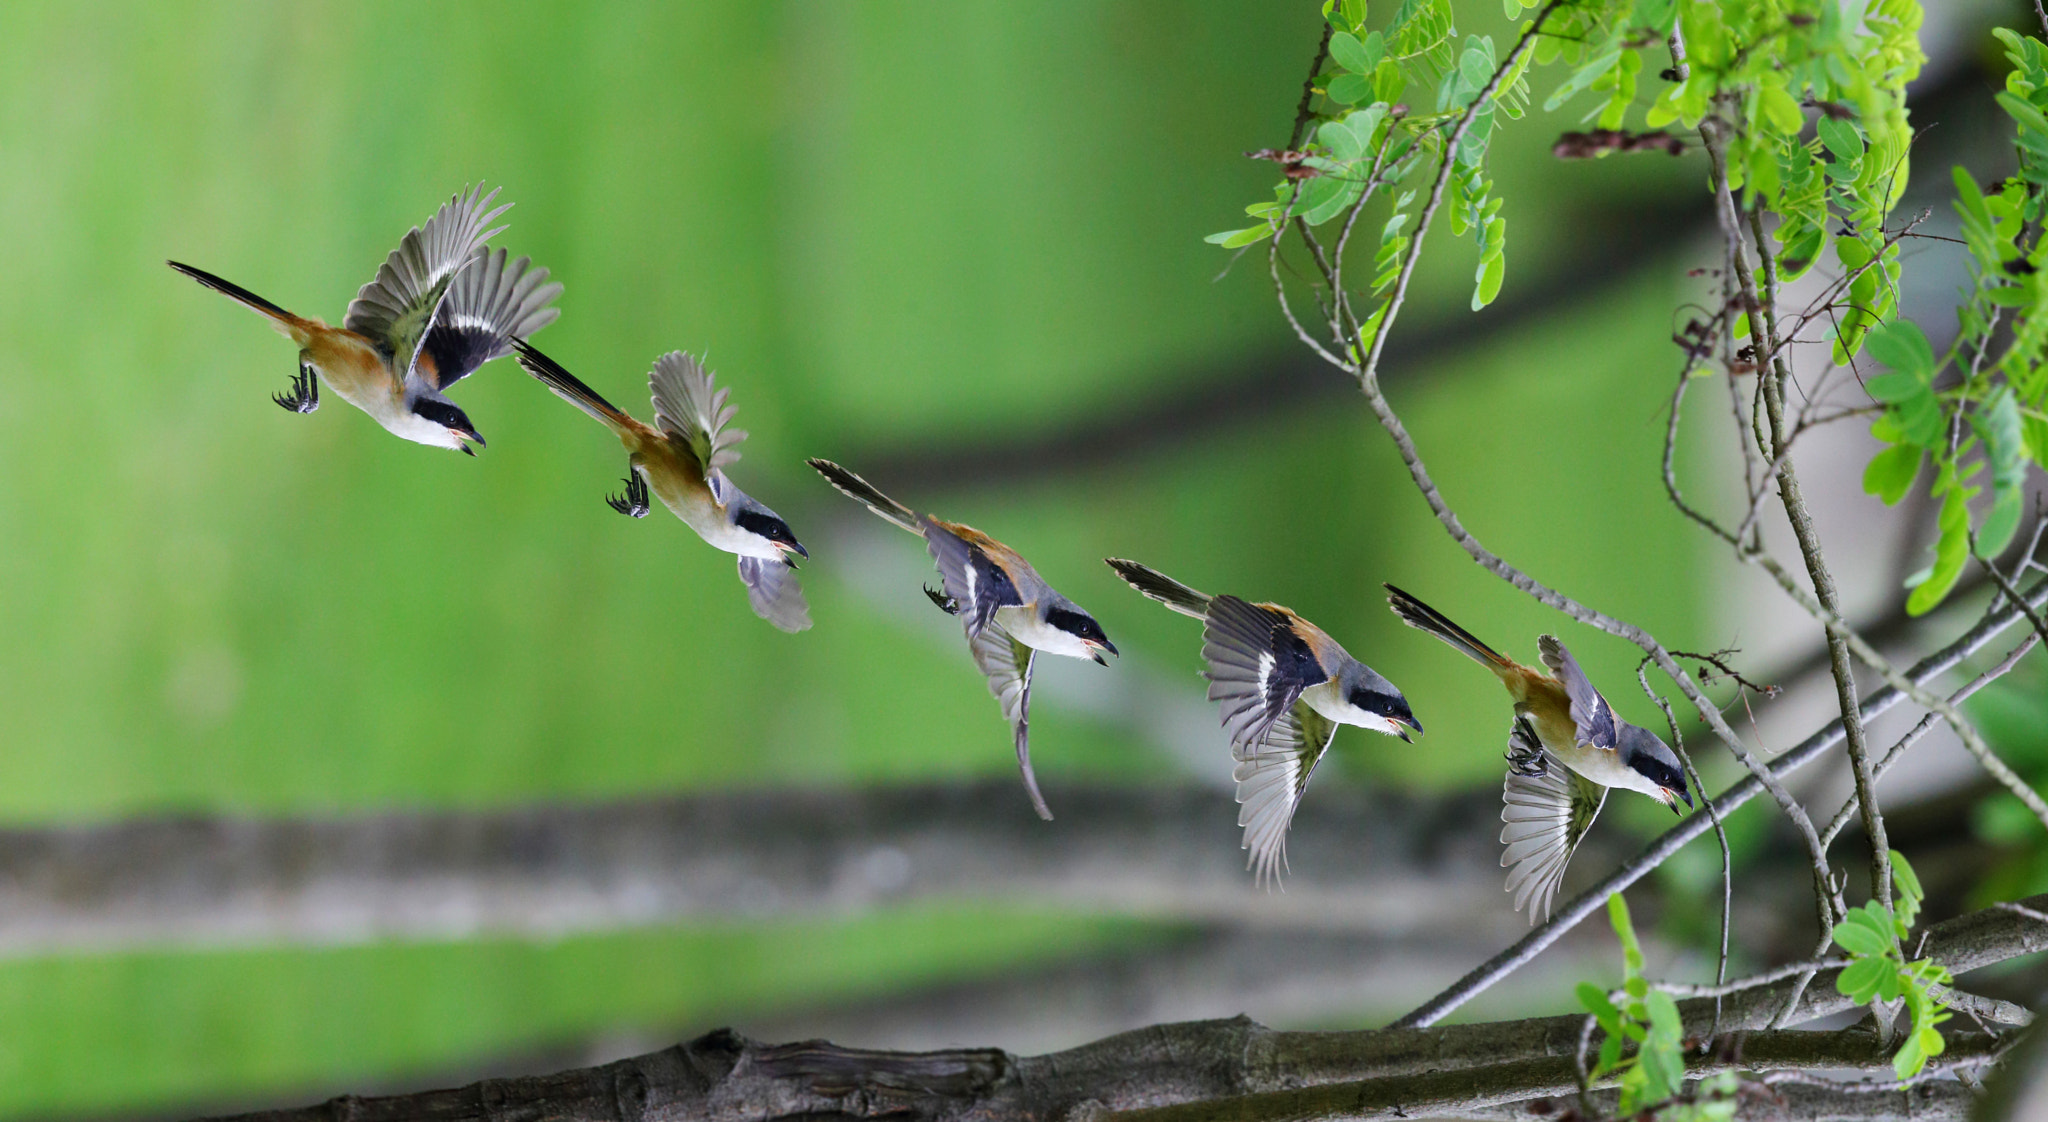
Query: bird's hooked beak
[792, 547]
[1095, 650]
[470, 436]
[1671, 799]
[1412, 723]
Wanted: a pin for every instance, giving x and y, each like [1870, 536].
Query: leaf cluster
[1367, 139]
[1980, 408]
[1652, 1077]
[1878, 970]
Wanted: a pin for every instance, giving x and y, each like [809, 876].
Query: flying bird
[681, 460]
[442, 305]
[1573, 729]
[1009, 611]
[1285, 686]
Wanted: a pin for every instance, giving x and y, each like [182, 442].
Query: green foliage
[1366, 142]
[1879, 972]
[1993, 420]
[1806, 98]
[1653, 1077]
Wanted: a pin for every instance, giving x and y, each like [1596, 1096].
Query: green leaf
[1625, 931]
[1841, 138]
[1781, 109]
[1491, 271]
[1896, 387]
[1582, 78]
[1859, 981]
[1951, 550]
[1891, 472]
[1859, 939]
[1349, 89]
[1907, 880]
[1998, 425]
[1342, 143]
[1902, 346]
[1231, 239]
[1350, 54]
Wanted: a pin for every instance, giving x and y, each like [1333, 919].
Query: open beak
[1672, 797]
[471, 437]
[1095, 650]
[1412, 723]
[790, 547]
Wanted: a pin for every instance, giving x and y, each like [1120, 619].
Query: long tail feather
[567, 386]
[1421, 616]
[235, 292]
[854, 487]
[1158, 586]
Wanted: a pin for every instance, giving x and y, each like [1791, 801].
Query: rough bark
[1370, 1074]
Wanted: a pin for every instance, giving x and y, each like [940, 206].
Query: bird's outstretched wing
[1270, 781]
[394, 310]
[1257, 666]
[490, 305]
[1007, 663]
[773, 590]
[978, 586]
[688, 405]
[1546, 808]
[1591, 714]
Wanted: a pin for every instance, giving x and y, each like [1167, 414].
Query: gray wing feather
[1254, 688]
[773, 590]
[1543, 818]
[395, 308]
[1270, 781]
[1007, 663]
[687, 404]
[1591, 714]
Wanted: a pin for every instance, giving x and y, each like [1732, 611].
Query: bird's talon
[305, 393]
[943, 602]
[633, 504]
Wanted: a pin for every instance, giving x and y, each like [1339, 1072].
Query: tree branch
[724, 1076]
[549, 870]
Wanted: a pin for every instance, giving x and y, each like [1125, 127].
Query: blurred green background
[905, 235]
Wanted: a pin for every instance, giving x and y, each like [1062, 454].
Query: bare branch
[1378, 1072]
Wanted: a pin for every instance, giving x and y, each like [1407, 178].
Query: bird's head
[1083, 628]
[767, 525]
[1646, 754]
[1384, 707]
[456, 431]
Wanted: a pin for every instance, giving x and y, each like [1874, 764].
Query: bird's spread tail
[285, 320]
[1158, 586]
[1421, 616]
[854, 487]
[567, 386]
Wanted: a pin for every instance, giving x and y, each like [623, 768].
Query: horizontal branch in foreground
[1364, 861]
[1369, 1074]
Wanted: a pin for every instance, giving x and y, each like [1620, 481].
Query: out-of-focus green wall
[891, 226]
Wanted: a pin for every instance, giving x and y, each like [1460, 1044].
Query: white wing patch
[1271, 778]
[1544, 815]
